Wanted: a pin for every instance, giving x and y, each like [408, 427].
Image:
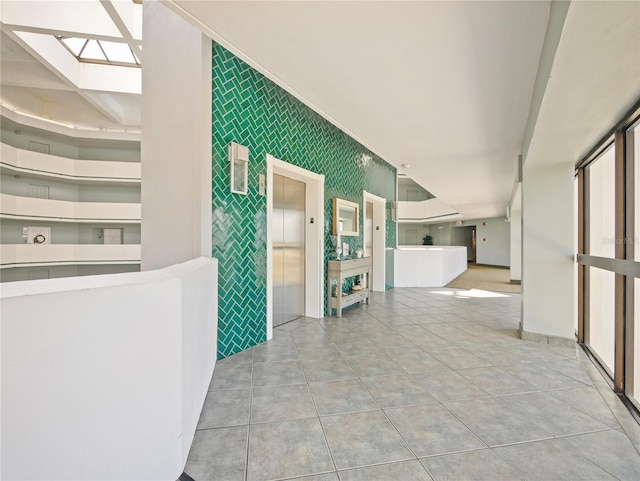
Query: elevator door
[288, 249]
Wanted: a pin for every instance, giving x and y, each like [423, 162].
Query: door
[468, 240]
[288, 249]
[473, 244]
[113, 236]
[368, 228]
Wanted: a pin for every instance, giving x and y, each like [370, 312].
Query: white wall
[547, 249]
[441, 233]
[406, 238]
[127, 153]
[71, 148]
[176, 139]
[19, 185]
[64, 211]
[109, 193]
[428, 266]
[516, 246]
[418, 192]
[104, 377]
[66, 232]
[493, 241]
[25, 255]
[58, 145]
[425, 211]
[16, 274]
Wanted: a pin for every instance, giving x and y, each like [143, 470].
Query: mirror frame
[337, 202]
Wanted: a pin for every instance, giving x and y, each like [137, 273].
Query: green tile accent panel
[251, 110]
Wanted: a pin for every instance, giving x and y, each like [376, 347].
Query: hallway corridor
[421, 384]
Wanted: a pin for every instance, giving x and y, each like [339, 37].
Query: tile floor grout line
[315, 406]
[246, 462]
[388, 419]
[492, 315]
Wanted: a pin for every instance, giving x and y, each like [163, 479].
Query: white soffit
[595, 79]
[443, 86]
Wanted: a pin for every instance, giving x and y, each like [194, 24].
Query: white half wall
[428, 266]
[104, 377]
[176, 139]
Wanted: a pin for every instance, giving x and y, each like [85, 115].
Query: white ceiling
[442, 86]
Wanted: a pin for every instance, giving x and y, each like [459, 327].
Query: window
[100, 51]
[608, 193]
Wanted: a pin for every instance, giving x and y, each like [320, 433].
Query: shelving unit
[79, 191]
[338, 271]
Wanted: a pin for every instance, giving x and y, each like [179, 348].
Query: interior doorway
[288, 248]
[465, 236]
[375, 238]
[469, 240]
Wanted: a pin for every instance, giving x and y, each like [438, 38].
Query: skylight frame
[80, 58]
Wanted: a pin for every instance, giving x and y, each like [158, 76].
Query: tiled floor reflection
[421, 384]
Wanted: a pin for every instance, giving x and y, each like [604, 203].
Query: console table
[339, 270]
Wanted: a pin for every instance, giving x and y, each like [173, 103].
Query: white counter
[428, 266]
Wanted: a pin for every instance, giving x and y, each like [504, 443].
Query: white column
[548, 251]
[176, 139]
[515, 252]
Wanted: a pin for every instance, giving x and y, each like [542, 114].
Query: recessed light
[405, 166]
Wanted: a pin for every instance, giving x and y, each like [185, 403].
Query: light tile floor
[420, 384]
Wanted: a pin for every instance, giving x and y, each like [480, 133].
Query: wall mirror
[345, 217]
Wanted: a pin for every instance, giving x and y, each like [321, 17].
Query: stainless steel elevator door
[288, 249]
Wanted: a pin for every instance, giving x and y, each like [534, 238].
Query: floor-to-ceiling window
[632, 139]
[608, 261]
[601, 175]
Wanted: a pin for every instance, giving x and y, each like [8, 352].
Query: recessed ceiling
[43, 79]
[443, 86]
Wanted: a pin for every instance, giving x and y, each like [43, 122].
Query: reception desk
[428, 266]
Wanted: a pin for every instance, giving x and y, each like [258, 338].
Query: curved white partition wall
[51, 166]
[22, 255]
[30, 208]
[428, 266]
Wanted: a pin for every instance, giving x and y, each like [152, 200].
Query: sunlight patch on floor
[469, 293]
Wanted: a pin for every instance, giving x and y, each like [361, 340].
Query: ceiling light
[405, 166]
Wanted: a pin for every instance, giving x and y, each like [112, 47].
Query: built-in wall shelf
[31, 208]
[44, 166]
[35, 255]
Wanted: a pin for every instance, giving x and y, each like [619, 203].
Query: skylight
[100, 51]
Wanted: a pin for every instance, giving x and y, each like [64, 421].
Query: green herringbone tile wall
[251, 110]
